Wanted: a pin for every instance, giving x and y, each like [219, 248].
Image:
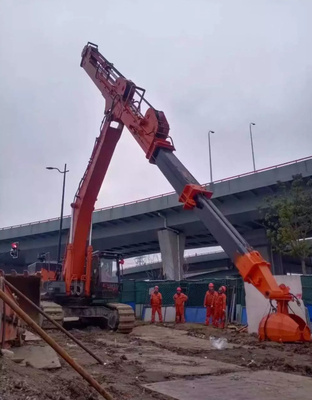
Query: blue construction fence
[137, 294]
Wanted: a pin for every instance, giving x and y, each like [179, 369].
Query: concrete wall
[258, 306]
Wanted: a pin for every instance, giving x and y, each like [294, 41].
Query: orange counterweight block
[279, 326]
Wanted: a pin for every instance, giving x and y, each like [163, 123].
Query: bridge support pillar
[275, 259]
[172, 246]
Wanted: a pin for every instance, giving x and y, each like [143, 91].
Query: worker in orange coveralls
[209, 303]
[156, 303]
[220, 307]
[179, 300]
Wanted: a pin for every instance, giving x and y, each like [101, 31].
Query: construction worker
[156, 303]
[179, 300]
[220, 307]
[209, 303]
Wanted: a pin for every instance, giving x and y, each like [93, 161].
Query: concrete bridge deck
[131, 228]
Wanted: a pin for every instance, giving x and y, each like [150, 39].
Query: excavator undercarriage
[115, 316]
[101, 308]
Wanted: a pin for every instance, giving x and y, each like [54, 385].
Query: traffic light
[14, 250]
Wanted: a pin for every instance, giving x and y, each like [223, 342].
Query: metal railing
[133, 265]
[164, 194]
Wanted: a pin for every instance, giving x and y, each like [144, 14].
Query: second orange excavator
[124, 107]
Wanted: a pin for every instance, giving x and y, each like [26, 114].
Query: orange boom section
[124, 104]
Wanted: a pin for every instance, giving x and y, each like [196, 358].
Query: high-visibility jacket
[156, 299]
[220, 302]
[180, 299]
[210, 298]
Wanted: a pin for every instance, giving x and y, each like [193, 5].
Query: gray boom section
[220, 228]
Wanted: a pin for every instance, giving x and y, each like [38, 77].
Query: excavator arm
[124, 104]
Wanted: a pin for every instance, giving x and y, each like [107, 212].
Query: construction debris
[218, 343]
[51, 320]
[4, 297]
[40, 357]
[154, 354]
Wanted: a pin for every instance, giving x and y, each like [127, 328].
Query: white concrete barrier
[168, 314]
[258, 306]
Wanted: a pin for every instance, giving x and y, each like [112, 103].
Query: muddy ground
[149, 354]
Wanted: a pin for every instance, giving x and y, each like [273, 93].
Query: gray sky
[211, 64]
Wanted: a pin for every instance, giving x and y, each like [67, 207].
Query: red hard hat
[179, 289]
[211, 285]
[223, 288]
[156, 287]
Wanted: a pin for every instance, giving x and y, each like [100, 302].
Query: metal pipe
[31, 323]
[13, 288]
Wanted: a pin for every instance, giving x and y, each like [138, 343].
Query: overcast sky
[211, 64]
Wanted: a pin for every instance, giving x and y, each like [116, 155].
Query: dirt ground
[149, 354]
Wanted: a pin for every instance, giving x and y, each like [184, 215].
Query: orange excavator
[125, 105]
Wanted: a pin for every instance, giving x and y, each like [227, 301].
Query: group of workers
[215, 303]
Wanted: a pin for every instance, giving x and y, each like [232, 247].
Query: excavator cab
[49, 271]
[106, 275]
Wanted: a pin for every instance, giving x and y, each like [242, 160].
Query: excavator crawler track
[54, 311]
[122, 317]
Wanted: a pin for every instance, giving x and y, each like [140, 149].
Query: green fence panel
[138, 291]
[196, 294]
[166, 288]
[128, 293]
[306, 282]
[141, 288]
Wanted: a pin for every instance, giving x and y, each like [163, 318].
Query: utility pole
[62, 210]
[210, 159]
[252, 147]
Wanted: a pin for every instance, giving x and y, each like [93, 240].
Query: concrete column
[172, 246]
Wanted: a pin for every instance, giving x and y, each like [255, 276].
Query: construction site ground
[175, 355]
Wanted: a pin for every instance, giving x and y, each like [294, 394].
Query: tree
[288, 219]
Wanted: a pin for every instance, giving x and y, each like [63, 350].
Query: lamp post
[210, 159]
[252, 147]
[62, 209]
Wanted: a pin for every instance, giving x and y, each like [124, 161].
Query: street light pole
[252, 147]
[62, 210]
[210, 159]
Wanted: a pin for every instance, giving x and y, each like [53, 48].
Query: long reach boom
[124, 104]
